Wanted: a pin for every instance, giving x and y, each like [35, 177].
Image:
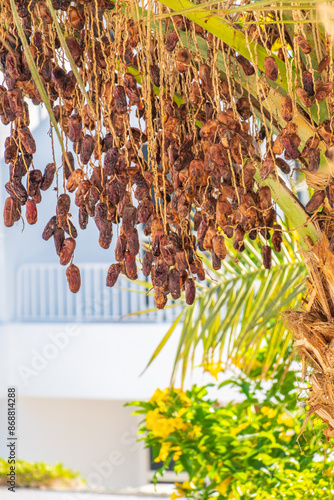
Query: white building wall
[97, 438]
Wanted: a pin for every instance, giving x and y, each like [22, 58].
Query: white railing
[42, 294]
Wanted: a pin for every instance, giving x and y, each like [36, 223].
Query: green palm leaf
[237, 312]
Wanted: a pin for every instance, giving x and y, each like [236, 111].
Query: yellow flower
[223, 486]
[195, 432]
[162, 426]
[181, 412]
[174, 496]
[183, 487]
[184, 399]
[285, 419]
[213, 369]
[164, 452]
[278, 45]
[286, 436]
[177, 453]
[178, 423]
[268, 412]
[160, 398]
[238, 429]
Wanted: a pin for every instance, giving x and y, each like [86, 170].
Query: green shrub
[40, 474]
[239, 451]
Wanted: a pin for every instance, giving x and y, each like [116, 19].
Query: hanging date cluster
[193, 189]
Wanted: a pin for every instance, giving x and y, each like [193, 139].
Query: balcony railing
[42, 294]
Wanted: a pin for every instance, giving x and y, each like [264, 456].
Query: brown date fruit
[190, 291]
[74, 49]
[120, 100]
[82, 190]
[277, 238]
[218, 246]
[182, 60]
[133, 242]
[113, 273]
[172, 40]
[67, 251]
[110, 160]
[68, 164]
[238, 242]
[16, 190]
[282, 165]
[27, 139]
[205, 77]
[160, 274]
[215, 261]
[34, 180]
[313, 160]
[91, 199]
[303, 97]
[74, 128]
[315, 202]
[11, 150]
[105, 236]
[59, 238]
[130, 81]
[73, 278]
[15, 100]
[31, 212]
[246, 65]
[312, 142]
[243, 108]
[174, 283]
[303, 44]
[286, 109]
[181, 260]
[268, 166]
[50, 228]
[289, 147]
[130, 266]
[120, 249]
[83, 217]
[323, 91]
[87, 148]
[270, 68]
[9, 212]
[308, 83]
[42, 12]
[48, 176]
[129, 219]
[63, 206]
[324, 63]
[101, 215]
[147, 263]
[266, 256]
[74, 179]
[160, 298]
[264, 195]
[13, 65]
[155, 74]
[76, 17]
[69, 228]
[167, 250]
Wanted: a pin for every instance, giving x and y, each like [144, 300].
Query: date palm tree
[234, 311]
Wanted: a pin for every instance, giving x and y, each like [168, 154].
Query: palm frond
[237, 311]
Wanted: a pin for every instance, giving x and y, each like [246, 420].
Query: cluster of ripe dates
[197, 186]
